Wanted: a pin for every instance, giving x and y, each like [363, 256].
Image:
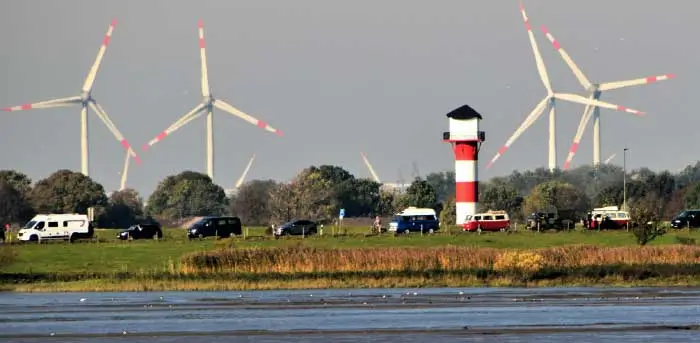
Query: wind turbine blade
[125, 172]
[541, 69]
[191, 115]
[63, 102]
[636, 82]
[585, 118]
[203, 58]
[607, 160]
[113, 128]
[564, 55]
[529, 120]
[245, 172]
[369, 166]
[222, 105]
[586, 101]
[90, 79]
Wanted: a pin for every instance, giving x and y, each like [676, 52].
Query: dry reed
[303, 259]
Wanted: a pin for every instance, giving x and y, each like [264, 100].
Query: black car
[215, 226]
[139, 231]
[687, 218]
[297, 227]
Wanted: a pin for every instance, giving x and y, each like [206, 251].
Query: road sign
[342, 213]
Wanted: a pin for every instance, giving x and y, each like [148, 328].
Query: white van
[56, 226]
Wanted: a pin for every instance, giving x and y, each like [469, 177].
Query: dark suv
[297, 227]
[687, 218]
[139, 231]
[215, 226]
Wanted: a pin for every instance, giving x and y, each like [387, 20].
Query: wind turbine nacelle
[464, 126]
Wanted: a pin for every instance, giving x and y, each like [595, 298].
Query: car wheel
[200, 236]
[431, 231]
[33, 238]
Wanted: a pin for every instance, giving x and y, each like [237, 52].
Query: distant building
[395, 187]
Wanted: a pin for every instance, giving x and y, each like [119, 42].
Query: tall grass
[305, 259]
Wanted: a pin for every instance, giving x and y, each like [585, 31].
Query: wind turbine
[207, 105]
[125, 172]
[595, 90]
[548, 102]
[371, 170]
[607, 160]
[245, 172]
[85, 100]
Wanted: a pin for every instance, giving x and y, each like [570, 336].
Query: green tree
[283, 207]
[187, 194]
[692, 196]
[309, 196]
[15, 189]
[252, 202]
[19, 181]
[11, 205]
[385, 205]
[443, 183]
[448, 215]
[419, 194]
[557, 195]
[124, 208]
[500, 196]
[645, 215]
[359, 197]
[66, 191]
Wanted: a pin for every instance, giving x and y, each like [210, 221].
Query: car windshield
[200, 222]
[30, 224]
[683, 215]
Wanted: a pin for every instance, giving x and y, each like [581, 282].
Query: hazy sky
[339, 78]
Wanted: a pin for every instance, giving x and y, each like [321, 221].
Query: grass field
[108, 264]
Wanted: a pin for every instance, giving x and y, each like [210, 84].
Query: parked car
[414, 219]
[685, 219]
[487, 221]
[215, 226]
[297, 227]
[140, 231]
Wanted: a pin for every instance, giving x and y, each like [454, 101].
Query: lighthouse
[466, 139]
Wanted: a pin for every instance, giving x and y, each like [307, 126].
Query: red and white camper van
[487, 221]
[608, 218]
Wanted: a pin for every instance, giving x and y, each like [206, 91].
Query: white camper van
[56, 226]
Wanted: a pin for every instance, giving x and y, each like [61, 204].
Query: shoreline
[136, 283]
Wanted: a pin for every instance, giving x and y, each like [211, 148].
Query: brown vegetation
[303, 259]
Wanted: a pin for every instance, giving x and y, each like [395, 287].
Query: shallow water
[368, 315]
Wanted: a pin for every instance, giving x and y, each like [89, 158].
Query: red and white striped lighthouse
[466, 139]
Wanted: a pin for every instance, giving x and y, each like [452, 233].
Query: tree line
[319, 192]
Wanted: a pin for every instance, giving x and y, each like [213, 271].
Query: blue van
[415, 219]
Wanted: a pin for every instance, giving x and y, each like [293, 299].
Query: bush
[686, 240]
[519, 261]
[647, 233]
[8, 254]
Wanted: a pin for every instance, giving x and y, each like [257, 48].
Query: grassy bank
[463, 259]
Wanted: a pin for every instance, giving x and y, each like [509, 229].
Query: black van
[215, 226]
[687, 218]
